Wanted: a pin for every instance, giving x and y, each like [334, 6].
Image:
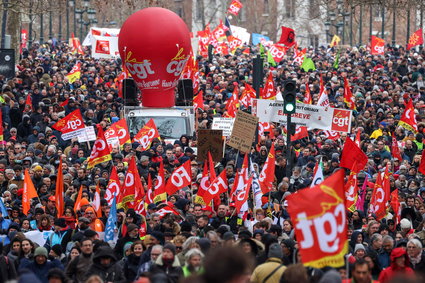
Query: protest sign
[88, 135]
[243, 131]
[210, 140]
[310, 116]
[224, 124]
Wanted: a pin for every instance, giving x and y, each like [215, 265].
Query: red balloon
[154, 44]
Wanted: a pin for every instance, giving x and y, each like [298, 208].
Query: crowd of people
[205, 244]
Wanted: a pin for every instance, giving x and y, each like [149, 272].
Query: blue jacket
[40, 271]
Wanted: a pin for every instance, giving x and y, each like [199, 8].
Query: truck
[172, 122]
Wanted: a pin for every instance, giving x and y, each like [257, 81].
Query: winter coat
[78, 267]
[7, 269]
[173, 272]
[131, 266]
[389, 273]
[263, 270]
[42, 270]
[110, 273]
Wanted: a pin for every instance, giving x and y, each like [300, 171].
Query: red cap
[52, 198]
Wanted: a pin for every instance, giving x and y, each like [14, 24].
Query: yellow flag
[335, 40]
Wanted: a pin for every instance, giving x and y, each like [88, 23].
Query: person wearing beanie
[40, 265]
[131, 236]
[358, 253]
[272, 269]
[168, 264]
[56, 253]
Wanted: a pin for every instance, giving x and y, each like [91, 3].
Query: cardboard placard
[210, 140]
[243, 131]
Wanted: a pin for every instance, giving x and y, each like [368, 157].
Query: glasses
[179, 248]
[411, 247]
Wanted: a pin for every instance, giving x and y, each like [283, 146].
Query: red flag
[114, 187]
[126, 199]
[247, 96]
[422, 164]
[332, 135]
[164, 211]
[320, 222]
[287, 37]
[217, 187]
[349, 98]
[198, 101]
[139, 203]
[159, 192]
[395, 150]
[234, 7]
[65, 103]
[222, 49]
[381, 195]
[377, 46]
[300, 132]
[146, 134]
[121, 129]
[351, 190]
[241, 177]
[234, 43]
[408, 119]
[150, 192]
[179, 179]
[395, 204]
[351, 153]
[232, 104]
[76, 45]
[60, 204]
[269, 91]
[415, 39]
[308, 98]
[266, 177]
[299, 55]
[96, 202]
[323, 96]
[29, 193]
[241, 196]
[70, 123]
[278, 52]
[265, 127]
[220, 31]
[100, 152]
[77, 205]
[28, 103]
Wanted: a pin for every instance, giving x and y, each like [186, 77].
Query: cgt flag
[321, 229]
[122, 133]
[377, 46]
[235, 7]
[75, 73]
[71, 125]
[146, 134]
[100, 152]
[408, 119]
[417, 38]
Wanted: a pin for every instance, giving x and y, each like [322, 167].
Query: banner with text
[310, 116]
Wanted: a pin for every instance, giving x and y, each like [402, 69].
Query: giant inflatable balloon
[154, 44]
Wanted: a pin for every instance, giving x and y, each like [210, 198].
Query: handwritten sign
[243, 131]
[210, 140]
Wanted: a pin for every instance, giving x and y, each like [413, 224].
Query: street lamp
[327, 28]
[91, 15]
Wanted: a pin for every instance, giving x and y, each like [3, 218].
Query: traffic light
[289, 96]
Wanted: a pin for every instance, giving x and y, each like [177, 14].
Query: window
[314, 9]
[314, 40]
[266, 7]
[179, 11]
[199, 9]
[290, 8]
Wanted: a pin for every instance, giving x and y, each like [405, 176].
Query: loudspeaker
[184, 92]
[129, 90]
[7, 63]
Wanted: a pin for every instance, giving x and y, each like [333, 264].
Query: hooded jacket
[388, 273]
[110, 273]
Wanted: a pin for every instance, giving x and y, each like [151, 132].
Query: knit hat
[57, 249]
[158, 235]
[60, 222]
[275, 251]
[359, 247]
[405, 224]
[127, 246]
[170, 247]
[228, 236]
[131, 227]
[40, 251]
